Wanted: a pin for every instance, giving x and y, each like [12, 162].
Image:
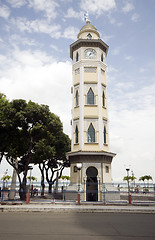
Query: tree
[31, 178]
[6, 178]
[65, 178]
[31, 134]
[145, 177]
[4, 103]
[128, 179]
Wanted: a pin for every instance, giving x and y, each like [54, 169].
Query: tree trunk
[50, 188]
[23, 189]
[42, 179]
[42, 187]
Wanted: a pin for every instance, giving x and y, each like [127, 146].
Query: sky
[35, 64]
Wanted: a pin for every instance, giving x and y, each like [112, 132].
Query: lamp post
[79, 166]
[129, 195]
[3, 190]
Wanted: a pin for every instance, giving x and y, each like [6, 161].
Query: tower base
[95, 171]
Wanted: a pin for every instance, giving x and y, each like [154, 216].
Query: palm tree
[142, 178]
[5, 179]
[148, 177]
[32, 178]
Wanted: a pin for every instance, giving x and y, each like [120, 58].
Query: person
[118, 187]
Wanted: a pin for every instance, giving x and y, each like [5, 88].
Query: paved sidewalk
[72, 207]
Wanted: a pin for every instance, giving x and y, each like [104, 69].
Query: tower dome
[88, 31]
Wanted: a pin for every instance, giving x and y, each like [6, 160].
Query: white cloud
[131, 118]
[112, 69]
[128, 7]
[97, 7]
[55, 48]
[132, 139]
[115, 51]
[47, 6]
[73, 14]
[36, 76]
[71, 33]
[106, 38]
[129, 58]
[142, 70]
[135, 17]
[16, 3]
[37, 25]
[17, 39]
[4, 11]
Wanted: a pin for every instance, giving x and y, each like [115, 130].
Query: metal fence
[64, 191]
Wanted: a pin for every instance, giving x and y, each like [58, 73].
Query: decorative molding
[88, 43]
[90, 69]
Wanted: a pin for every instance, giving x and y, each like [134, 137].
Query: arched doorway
[91, 184]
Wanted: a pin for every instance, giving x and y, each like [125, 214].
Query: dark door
[92, 184]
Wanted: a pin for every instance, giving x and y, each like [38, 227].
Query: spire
[88, 29]
[86, 17]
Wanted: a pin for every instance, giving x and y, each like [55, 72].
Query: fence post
[130, 198]
[78, 198]
[104, 200]
[27, 197]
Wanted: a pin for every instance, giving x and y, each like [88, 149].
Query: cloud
[18, 40]
[47, 6]
[143, 70]
[16, 3]
[106, 38]
[128, 7]
[132, 138]
[4, 11]
[38, 77]
[56, 48]
[40, 26]
[129, 58]
[135, 17]
[131, 126]
[71, 13]
[71, 33]
[115, 51]
[97, 7]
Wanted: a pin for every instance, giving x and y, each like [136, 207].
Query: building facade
[90, 138]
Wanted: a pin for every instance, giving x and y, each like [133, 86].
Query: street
[74, 226]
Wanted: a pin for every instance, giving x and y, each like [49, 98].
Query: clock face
[90, 53]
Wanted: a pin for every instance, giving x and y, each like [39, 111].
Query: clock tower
[90, 137]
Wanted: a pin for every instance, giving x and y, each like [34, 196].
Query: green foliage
[30, 133]
[128, 178]
[145, 177]
[6, 178]
[65, 178]
[32, 178]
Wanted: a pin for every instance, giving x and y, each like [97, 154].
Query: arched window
[105, 135]
[90, 97]
[103, 99]
[89, 36]
[76, 135]
[102, 57]
[77, 57]
[77, 98]
[91, 134]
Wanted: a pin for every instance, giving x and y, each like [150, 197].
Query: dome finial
[86, 17]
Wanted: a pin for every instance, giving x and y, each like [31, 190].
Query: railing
[64, 191]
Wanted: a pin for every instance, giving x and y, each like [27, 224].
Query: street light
[79, 166]
[129, 196]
